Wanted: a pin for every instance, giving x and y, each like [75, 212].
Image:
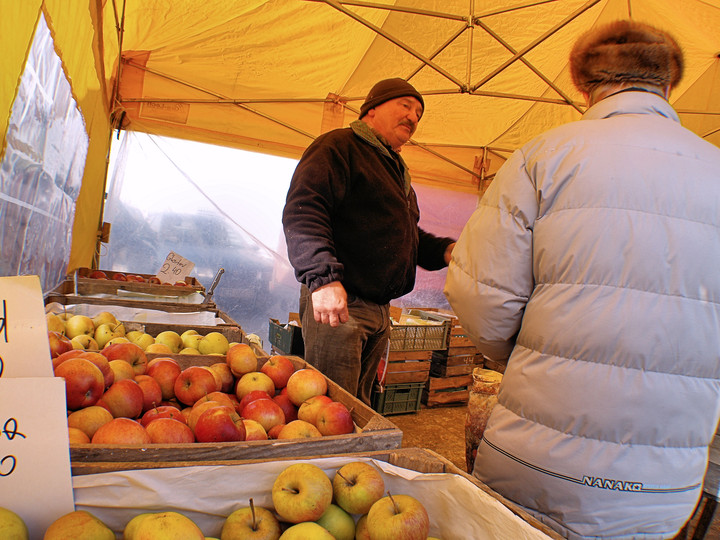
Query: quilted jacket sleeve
[490, 276]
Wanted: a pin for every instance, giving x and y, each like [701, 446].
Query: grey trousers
[348, 354]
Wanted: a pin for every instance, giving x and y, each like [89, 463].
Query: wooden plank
[461, 351]
[170, 307]
[396, 356]
[431, 398]
[394, 367]
[438, 370]
[406, 377]
[460, 341]
[495, 364]
[441, 383]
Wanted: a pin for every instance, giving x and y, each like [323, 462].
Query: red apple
[305, 383]
[275, 431]
[334, 418]
[165, 371]
[255, 380]
[119, 276]
[154, 279]
[216, 377]
[97, 274]
[180, 284]
[200, 407]
[265, 411]
[219, 424]
[162, 411]
[309, 408]
[121, 431]
[299, 429]
[123, 399]
[131, 353]
[251, 396]
[169, 431]
[102, 363]
[287, 406]
[220, 397]
[226, 377]
[152, 394]
[84, 382]
[59, 344]
[64, 356]
[278, 368]
[77, 436]
[241, 359]
[193, 383]
[254, 430]
[135, 277]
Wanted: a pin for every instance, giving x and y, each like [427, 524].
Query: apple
[74, 353]
[200, 407]
[189, 350]
[158, 348]
[121, 431]
[309, 408]
[191, 341]
[301, 492]
[227, 380]
[97, 274]
[255, 380]
[169, 431]
[251, 396]
[219, 424]
[85, 343]
[305, 383]
[265, 411]
[180, 284]
[121, 370]
[136, 278]
[106, 332]
[357, 486]
[288, 407]
[275, 431]
[102, 363]
[162, 411]
[216, 377]
[306, 531]
[298, 429]
[58, 344]
[75, 436]
[338, 522]
[130, 352]
[144, 340]
[89, 419]
[162, 526]
[170, 338]
[80, 525]
[251, 523]
[105, 317]
[397, 517]
[212, 343]
[334, 418]
[278, 368]
[123, 399]
[220, 397]
[254, 430]
[55, 323]
[119, 276]
[13, 526]
[132, 335]
[115, 340]
[154, 280]
[84, 382]
[165, 371]
[152, 394]
[361, 532]
[193, 383]
[79, 324]
[241, 359]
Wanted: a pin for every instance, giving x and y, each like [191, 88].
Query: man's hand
[330, 304]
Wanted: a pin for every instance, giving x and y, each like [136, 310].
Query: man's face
[396, 120]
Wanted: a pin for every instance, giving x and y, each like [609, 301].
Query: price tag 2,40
[175, 268]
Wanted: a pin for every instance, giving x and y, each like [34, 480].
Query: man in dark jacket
[351, 226]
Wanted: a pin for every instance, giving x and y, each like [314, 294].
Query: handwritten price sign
[175, 268]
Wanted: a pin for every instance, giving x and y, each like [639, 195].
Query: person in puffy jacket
[591, 266]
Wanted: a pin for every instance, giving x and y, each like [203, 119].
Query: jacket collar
[631, 102]
[365, 132]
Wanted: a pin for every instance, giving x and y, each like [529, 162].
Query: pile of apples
[307, 505]
[122, 276]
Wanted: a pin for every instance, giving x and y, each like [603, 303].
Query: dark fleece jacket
[348, 218]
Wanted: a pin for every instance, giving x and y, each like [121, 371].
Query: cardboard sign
[24, 346]
[175, 268]
[35, 477]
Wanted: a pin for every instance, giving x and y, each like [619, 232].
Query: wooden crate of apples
[216, 398]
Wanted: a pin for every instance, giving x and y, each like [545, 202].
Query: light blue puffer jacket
[599, 242]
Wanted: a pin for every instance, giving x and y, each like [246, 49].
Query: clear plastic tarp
[41, 172]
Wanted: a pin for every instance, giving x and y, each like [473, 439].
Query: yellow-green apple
[254, 430]
[133, 335]
[397, 517]
[169, 431]
[241, 359]
[219, 424]
[105, 317]
[213, 343]
[75, 436]
[121, 431]
[288, 407]
[84, 382]
[102, 363]
[162, 411]
[121, 370]
[338, 523]
[361, 532]
[308, 530]
[152, 394]
[265, 411]
[278, 368]
[251, 523]
[334, 418]
[189, 350]
[89, 419]
[162, 526]
[226, 376]
[65, 315]
[78, 525]
[255, 380]
[305, 383]
[191, 341]
[79, 324]
[275, 431]
[193, 383]
[357, 486]
[131, 353]
[116, 340]
[104, 333]
[301, 492]
[85, 343]
[143, 341]
[74, 353]
[309, 408]
[298, 429]
[251, 396]
[123, 399]
[165, 371]
[58, 344]
[55, 323]
[12, 526]
[158, 348]
[170, 338]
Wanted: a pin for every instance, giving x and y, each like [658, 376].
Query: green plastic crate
[397, 398]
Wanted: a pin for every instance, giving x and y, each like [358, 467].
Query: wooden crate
[407, 367]
[443, 390]
[374, 432]
[79, 283]
[152, 303]
[438, 478]
[457, 337]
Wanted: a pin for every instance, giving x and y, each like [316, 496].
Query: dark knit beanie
[386, 90]
[625, 52]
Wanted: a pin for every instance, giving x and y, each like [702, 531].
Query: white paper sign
[35, 477]
[24, 346]
[175, 268]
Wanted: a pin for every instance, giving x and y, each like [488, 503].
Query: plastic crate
[397, 398]
[420, 337]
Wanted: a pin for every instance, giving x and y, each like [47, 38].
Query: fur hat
[625, 52]
[386, 90]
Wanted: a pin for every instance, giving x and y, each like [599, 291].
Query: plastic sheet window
[41, 172]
